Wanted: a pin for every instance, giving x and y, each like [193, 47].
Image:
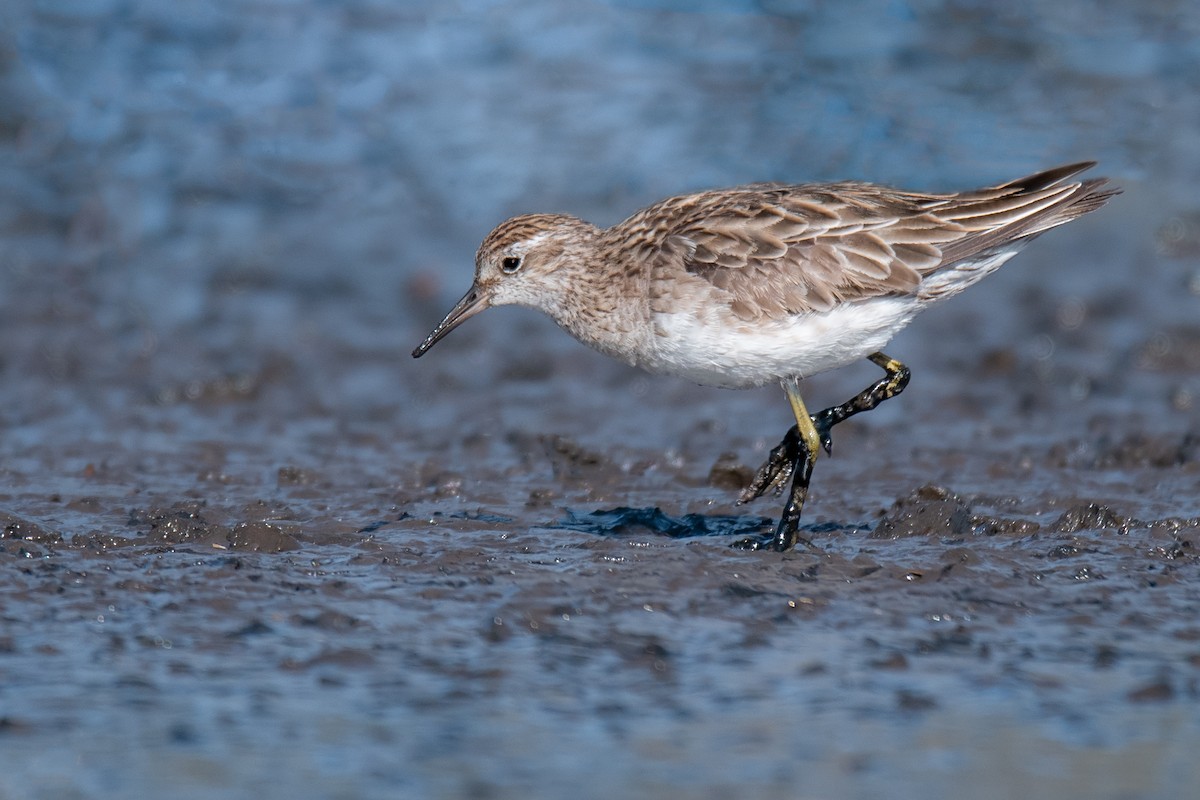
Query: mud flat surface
[249, 547]
[210, 587]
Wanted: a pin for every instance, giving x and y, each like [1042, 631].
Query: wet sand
[250, 546]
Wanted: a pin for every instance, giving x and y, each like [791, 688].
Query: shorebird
[768, 283]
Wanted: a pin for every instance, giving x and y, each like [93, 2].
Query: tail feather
[1073, 201]
[1047, 178]
[967, 260]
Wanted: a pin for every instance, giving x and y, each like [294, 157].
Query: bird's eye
[510, 264]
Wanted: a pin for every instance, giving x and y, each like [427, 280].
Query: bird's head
[525, 261]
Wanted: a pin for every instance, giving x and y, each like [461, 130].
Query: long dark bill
[472, 303]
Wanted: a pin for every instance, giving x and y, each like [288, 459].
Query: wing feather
[772, 250]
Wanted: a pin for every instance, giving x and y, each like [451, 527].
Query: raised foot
[774, 473]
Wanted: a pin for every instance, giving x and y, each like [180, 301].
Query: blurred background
[225, 225]
[198, 184]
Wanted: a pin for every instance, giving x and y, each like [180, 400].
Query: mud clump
[177, 524]
[929, 511]
[14, 527]
[729, 473]
[1090, 516]
[1000, 526]
[261, 537]
[184, 523]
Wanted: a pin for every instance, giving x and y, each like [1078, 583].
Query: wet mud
[226, 580]
[249, 546]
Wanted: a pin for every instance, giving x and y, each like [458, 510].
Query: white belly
[738, 355]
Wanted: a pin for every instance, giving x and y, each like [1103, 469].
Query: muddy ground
[248, 546]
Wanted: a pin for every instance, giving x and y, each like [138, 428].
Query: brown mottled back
[776, 249]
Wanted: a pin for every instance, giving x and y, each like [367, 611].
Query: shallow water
[250, 546]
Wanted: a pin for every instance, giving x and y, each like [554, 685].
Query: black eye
[510, 264]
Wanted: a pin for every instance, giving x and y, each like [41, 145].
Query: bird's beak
[472, 303]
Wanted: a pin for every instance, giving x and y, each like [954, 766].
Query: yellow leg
[808, 431]
[794, 457]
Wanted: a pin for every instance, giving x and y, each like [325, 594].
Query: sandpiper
[768, 283]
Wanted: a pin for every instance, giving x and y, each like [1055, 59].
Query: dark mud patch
[622, 521]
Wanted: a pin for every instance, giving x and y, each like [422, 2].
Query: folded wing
[776, 249]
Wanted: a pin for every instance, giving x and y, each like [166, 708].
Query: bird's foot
[778, 543]
[773, 475]
[787, 532]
